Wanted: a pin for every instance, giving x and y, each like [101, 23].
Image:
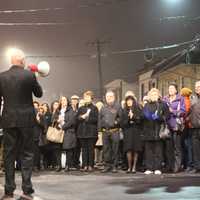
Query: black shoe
[67, 169]
[106, 170]
[35, 169]
[58, 169]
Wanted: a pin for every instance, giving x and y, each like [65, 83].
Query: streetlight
[172, 1]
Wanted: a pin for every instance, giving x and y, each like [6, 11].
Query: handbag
[180, 124]
[164, 132]
[55, 135]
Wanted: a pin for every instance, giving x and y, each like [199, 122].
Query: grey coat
[194, 114]
[110, 116]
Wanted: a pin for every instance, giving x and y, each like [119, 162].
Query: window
[150, 85]
[182, 82]
[142, 91]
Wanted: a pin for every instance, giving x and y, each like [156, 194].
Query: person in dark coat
[54, 147]
[48, 152]
[42, 126]
[18, 119]
[87, 130]
[194, 117]
[110, 125]
[36, 140]
[155, 113]
[131, 125]
[70, 139]
[77, 149]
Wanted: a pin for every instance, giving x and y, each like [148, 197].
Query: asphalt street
[85, 186]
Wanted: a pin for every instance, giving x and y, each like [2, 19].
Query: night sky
[123, 24]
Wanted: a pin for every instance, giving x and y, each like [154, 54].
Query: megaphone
[42, 68]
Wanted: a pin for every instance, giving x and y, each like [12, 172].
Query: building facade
[184, 75]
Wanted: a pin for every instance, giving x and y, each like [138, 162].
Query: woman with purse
[87, 130]
[58, 119]
[131, 125]
[155, 111]
[55, 147]
[175, 123]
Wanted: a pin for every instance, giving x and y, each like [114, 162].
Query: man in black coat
[17, 120]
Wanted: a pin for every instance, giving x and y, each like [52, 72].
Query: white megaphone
[42, 68]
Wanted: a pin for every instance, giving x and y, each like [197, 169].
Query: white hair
[17, 54]
[197, 83]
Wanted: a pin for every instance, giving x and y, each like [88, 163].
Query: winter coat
[155, 113]
[132, 129]
[194, 114]
[178, 110]
[69, 127]
[110, 116]
[42, 128]
[87, 128]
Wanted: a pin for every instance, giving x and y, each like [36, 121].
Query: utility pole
[100, 75]
[98, 44]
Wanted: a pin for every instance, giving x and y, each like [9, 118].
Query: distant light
[173, 1]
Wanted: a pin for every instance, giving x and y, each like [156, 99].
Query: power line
[156, 48]
[39, 24]
[59, 56]
[180, 18]
[29, 10]
[79, 5]
[103, 54]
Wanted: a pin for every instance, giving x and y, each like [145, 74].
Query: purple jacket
[178, 107]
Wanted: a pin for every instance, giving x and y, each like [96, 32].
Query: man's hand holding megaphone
[41, 69]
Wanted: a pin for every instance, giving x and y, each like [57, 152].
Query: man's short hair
[110, 92]
[89, 93]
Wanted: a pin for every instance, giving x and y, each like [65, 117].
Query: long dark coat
[70, 139]
[16, 87]
[87, 128]
[132, 129]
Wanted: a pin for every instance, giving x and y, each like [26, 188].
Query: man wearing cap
[18, 119]
[77, 149]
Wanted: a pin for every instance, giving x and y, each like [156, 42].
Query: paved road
[78, 186]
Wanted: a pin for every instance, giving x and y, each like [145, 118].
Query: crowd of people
[159, 135]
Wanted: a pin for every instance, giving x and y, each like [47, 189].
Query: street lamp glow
[172, 1]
